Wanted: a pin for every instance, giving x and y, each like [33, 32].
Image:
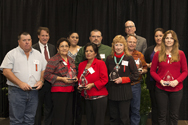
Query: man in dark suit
[130, 29]
[44, 95]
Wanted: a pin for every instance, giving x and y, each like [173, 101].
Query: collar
[118, 56]
[22, 51]
[40, 44]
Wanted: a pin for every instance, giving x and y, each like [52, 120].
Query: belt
[134, 83]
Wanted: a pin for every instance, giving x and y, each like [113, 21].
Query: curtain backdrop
[82, 16]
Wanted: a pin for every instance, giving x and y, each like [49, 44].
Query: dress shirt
[42, 49]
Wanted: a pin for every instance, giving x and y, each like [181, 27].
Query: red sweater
[99, 77]
[177, 69]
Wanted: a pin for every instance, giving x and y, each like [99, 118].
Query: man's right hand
[24, 86]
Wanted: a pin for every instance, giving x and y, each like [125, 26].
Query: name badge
[102, 56]
[64, 63]
[125, 63]
[169, 56]
[137, 62]
[91, 70]
[36, 61]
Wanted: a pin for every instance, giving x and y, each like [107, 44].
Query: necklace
[117, 64]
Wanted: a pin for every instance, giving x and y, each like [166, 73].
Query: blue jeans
[22, 106]
[135, 104]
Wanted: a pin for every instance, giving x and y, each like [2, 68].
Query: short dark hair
[70, 33]
[22, 33]
[61, 40]
[95, 30]
[159, 29]
[43, 28]
[95, 48]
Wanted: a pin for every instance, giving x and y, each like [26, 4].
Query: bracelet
[42, 81]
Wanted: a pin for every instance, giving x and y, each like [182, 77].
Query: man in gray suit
[141, 41]
[44, 95]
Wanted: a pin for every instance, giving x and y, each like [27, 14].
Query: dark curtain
[82, 16]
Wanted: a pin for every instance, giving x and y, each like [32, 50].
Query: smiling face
[63, 48]
[96, 37]
[119, 48]
[131, 43]
[25, 42]
[158, 37]
[90, 53]
[169, 40]
[44, 37]
[73, 39]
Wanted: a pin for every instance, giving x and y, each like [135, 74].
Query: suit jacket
[52, 49]
[141, 45]
[99, 77]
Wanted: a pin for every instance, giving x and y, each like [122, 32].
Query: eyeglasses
[95, 36]
[129, 27]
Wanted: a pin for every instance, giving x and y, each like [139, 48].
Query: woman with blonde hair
[122, 71]
[171, 66]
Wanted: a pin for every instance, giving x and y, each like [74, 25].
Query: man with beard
[104, 51]
[96, 38]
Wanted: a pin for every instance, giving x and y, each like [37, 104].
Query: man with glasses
[96, 38]
[141, 41]
[136, 86]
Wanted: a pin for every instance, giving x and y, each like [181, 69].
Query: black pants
[174, 99]
[62, 111]
[95, 111]
[44, 97]
[119, 112]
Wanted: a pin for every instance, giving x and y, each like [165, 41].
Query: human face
[119, 48]
[130, 28]
[43, 37]
[169, 40]
[158, 37]
[25, 42]
[73, 39]
[131, 43]
[90, 53]
[63, 48]
[96, 38]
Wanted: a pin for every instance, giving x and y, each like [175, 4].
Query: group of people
[59, 77]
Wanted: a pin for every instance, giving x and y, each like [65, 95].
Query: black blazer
[52, 49]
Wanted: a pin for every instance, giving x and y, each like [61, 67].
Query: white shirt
[42, 49]
[27, 70]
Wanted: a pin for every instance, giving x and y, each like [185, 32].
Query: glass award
[71, 74]
[167, 78]
[139, 64]
[32, 81]
[114, 74]
[82, 81]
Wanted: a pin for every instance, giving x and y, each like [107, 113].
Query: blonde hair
[175, 48]
[119, 39]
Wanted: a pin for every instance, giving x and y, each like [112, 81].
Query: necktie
[46, 53]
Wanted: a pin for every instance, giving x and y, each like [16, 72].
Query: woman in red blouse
[169, 69]
[61, 72]
[93, 76]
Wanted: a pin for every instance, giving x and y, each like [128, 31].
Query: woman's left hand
[89, 86]
[173, 83]
[118, 80]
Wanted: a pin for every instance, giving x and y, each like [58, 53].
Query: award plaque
[114, 74]
[139, 64]
[167, 78]
[82, 81]
[71, 74]
[32, 81]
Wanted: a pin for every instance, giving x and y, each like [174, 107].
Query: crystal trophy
[82, 81]
[167, 78]
[139, 64]
[32, 81]
[114, 74]
[71, 74]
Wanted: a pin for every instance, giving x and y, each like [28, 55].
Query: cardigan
[99, 77]
[119, 92]
[177, 69]
[56, 67]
